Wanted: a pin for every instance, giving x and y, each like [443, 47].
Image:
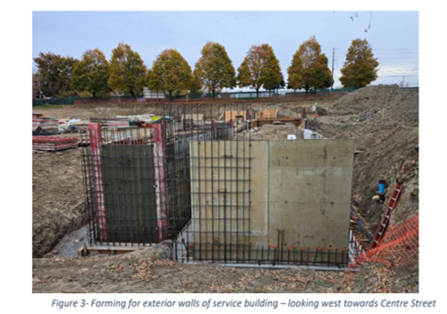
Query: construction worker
[380, 194]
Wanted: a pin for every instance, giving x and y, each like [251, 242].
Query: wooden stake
[383, 112]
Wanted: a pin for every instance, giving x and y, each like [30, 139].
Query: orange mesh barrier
[399, 247]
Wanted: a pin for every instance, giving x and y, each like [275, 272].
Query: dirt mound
[381, 148]
[368, 102]
[58, 197]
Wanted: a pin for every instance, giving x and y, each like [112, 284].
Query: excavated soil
[381, 148]
[147, 273]
[58, 197]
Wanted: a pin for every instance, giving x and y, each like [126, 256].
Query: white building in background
[151, 94]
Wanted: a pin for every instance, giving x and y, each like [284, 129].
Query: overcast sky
[394, 36]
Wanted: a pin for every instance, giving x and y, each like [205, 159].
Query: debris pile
[72, 125]
[111, 122]
[45, 125]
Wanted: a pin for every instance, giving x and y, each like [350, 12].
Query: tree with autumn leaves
[170, 73]
[195, 85]
[280, 85]
[127, 71]
[55, 72]
[260, 68]
[360, 67]
[91, 74]
[309, 67]
[214, 68]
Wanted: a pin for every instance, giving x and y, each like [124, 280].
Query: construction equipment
[392, 204]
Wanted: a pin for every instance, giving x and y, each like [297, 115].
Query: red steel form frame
[95, 142]
[214, 127]
[159, 139]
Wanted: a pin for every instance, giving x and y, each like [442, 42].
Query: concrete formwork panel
[302, 188]
[310, 191]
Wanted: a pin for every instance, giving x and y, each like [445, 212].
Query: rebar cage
[186, 179]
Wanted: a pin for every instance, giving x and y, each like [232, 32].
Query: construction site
[310, 195]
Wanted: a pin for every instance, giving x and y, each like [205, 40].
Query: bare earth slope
[382, 149]
[58, 197]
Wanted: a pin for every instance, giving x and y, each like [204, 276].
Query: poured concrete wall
[310, 191]
[302, 188]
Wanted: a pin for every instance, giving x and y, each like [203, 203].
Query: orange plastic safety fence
[399, 247]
